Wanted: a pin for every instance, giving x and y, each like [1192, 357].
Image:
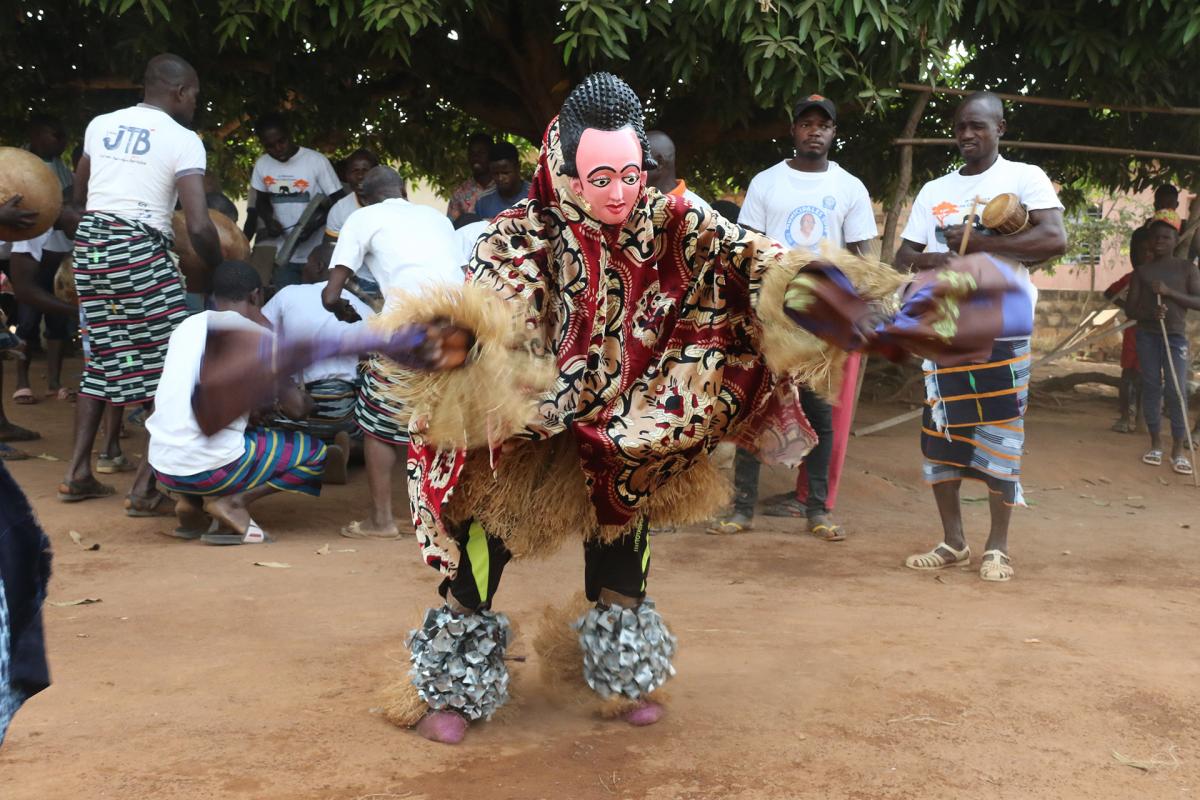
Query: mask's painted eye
[631, 179]
[600, 182]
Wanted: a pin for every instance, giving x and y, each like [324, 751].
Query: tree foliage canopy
[411, 78]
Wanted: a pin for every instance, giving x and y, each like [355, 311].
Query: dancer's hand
[436, 346]
[453, 344]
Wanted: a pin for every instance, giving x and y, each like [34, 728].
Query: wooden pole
[1071, 148]
[1056, 102]
[892, 221]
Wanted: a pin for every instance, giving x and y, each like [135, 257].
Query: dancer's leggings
[621, 566]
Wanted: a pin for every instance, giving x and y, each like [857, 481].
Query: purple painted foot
[647, 713]
[447, 727]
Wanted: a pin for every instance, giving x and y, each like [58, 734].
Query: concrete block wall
[1060, 310]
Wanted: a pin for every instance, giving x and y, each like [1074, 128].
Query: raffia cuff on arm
[495, 394]
[790, 350]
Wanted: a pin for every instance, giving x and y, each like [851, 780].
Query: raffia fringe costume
[610, 362]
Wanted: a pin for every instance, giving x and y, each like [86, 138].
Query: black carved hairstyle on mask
[604, 102]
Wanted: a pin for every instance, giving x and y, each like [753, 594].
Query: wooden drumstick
[962, 248]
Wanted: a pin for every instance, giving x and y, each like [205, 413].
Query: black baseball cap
[816, 101]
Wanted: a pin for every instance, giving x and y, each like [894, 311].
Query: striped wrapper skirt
[973, 426]
[131, 299]
[375, 411]
[289, 461]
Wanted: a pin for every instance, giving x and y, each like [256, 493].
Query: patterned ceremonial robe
[655, 335]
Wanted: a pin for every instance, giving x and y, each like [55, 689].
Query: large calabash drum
[23, 173]
[64, 281]
[1005, 214]
[234, 247]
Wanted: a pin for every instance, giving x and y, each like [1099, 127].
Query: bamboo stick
[1057, 102]
[1072, 148]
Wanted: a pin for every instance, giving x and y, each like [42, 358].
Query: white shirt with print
[947, 201]
[291, 185]
[802, 209]
[296, 313]
[136, 156]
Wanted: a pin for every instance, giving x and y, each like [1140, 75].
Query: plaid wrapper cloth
[375, 412]
[132, 298]
[973, 426]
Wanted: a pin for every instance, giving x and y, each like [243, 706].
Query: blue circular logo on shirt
[806, 227]
[829, 202]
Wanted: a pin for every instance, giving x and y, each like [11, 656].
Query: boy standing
[1160, 296]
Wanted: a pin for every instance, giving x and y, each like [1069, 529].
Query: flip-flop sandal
[935, 560]
[254, 535]
[996, 566]
[64, 394]
[12, 454]
[75, 491]
[158, 506]
[111, 466]
[191, 534]
[784, 505]
[355, 531]
[24, 397]
[1153, 458]
[727, 527]
[1182, 466]
[828, 532]
[15, 433]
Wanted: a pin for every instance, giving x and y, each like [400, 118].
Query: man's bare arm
[1044, 239]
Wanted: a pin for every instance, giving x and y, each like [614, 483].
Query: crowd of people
[334, 249]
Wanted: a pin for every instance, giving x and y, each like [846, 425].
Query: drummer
[980, 439]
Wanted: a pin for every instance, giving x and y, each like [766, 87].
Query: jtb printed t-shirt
[137, 154]
[291, 185]
[801, 209]
[947, 201]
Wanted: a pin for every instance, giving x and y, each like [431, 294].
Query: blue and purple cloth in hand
[951, 315]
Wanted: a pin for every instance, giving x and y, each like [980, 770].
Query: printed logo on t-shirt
[829, 202]
[943, 211]
[287, 190]
[806, 227]
[136, 140]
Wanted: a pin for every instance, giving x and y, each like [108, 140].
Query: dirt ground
[806, 669]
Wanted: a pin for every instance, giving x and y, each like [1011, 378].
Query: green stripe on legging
[646, 557]
[477, 552]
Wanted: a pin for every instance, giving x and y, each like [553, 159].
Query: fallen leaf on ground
[1086, 496]
[1089, 481]
[1136, 505]
[1135, 497]
[1066, 552]
[1103, 479]
[1164, 481]
[939, 578]
[347, 550]
[1104, 503]
[1055, 488]
[77, 538]
[1033, 641]
[47, 457]
[83, 601]
[324, 551]
[81, 636]
[272, 564]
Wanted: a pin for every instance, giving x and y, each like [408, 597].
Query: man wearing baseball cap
[805, 201]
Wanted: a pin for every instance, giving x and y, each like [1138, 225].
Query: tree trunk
[888, 247]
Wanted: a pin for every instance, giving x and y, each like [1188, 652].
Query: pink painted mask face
[610, 179]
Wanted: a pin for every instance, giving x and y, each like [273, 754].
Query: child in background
[1130, 389]
[1160, 295]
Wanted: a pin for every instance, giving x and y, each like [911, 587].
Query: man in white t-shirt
[297, 312]
[32, 267]
[219, 476]
[990, 449]
[286, 178]
[358, 164]
[409, 248]
[804, 202]
[136, 162]
[664, 177]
